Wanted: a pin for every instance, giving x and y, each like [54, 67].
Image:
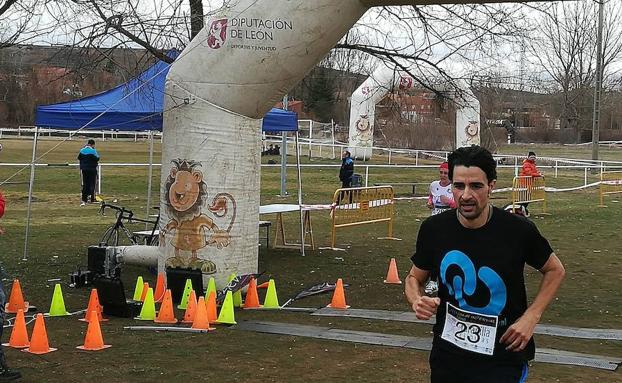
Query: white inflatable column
[217, 91]
[467, 118]
[363, 108]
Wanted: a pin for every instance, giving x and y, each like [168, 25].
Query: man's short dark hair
[91, 141]
[347, 153]
[473, 156]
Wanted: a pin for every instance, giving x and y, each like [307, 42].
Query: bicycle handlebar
[121, 210]
[123, 213]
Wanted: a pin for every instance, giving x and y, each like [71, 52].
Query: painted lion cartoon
[186, 192]
[363, 131]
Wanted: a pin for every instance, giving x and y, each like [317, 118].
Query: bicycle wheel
[110, 237]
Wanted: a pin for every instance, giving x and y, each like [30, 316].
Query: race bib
[470, 331]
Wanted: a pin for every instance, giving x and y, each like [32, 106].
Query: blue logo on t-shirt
[466, 284]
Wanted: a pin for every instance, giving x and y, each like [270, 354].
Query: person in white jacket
[441, 198]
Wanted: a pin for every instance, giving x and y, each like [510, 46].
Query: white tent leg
[30, 187]
[302, 223]
[150, 176]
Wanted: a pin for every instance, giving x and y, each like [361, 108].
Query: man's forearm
[413, 288]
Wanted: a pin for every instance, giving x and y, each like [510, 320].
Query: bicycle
[111, 235]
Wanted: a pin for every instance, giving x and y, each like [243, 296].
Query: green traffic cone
[237, 296]
[227, 316]
[57, 308]
[271, 301]
[147, 312]
[211, 286]
[186, 294]
[138, 290]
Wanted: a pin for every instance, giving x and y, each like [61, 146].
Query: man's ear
[492, 185]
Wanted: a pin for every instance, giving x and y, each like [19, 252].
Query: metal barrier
[359, 206]
[527, 189]
[610, 183]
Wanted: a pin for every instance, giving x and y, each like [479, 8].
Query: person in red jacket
[529, 166]
[6, 374]
[529, 169]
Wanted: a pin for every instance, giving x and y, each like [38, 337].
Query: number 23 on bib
[470, 331]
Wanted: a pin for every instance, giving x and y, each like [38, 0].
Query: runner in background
[440, 199]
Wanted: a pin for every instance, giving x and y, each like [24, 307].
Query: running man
[484, 326]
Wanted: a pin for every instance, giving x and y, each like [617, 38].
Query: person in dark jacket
[347, 170]
[89, 159]
[6, 374]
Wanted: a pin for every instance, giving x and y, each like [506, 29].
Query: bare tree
[436, 44]
[426, 42]
[565, 47]
[15, 18]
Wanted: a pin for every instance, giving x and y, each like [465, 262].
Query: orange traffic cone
[251, 301]
[392, 275]
[339, 297]
[19, 335]
[94, 305]
[191, 309]
[160, 289]
[212, 312]
[39, 340]
[166, 314]
[200, 318]
[93, 341]
[144, 294]
[16, 300]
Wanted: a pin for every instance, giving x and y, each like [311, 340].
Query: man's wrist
[533, 315]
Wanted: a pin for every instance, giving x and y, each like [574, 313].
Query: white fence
[29, 132]
[363, 169]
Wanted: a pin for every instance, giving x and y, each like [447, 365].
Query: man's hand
[1, 230]
[518, 335]
[425, 307]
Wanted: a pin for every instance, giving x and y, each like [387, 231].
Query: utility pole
[599, 83]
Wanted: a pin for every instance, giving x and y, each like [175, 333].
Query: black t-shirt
[481, 270]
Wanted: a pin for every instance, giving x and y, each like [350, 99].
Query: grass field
[586, 238]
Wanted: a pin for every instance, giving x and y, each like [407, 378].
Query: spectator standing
[529, 169]
[347, 170]
[6, 374]
[529, 166]
[89, 159]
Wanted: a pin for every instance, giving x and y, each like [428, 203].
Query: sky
[58, 23]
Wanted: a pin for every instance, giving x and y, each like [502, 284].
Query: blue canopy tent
[279, 120]
[134, 105]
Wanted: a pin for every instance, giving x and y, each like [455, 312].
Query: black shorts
[444, 371]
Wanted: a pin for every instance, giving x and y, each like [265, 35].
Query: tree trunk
[196, 17]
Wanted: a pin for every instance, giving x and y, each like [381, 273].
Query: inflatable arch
[226, 79]
[385, 80]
